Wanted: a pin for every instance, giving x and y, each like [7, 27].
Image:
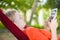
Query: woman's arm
[53, 27]
[12, 27]
[54, 34]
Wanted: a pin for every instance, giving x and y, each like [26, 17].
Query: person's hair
[10, 14]
[15, 17]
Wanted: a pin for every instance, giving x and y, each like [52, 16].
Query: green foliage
[58, 18]
[2, 26]
[52, 4]
[24, 5]
[38, 26]
[16, 4]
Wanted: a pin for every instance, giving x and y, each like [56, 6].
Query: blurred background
[35, 12]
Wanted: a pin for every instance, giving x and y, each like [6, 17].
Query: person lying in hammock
[32, 33]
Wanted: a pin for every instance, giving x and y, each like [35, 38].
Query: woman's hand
[51, 25]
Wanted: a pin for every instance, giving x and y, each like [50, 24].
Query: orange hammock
[28, 34]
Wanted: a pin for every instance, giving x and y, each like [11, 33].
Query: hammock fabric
[38, 34]
[58, 38]
[12, 27]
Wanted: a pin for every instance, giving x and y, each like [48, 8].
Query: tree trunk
[33, 10]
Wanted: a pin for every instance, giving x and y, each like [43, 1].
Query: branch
[33, 10]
